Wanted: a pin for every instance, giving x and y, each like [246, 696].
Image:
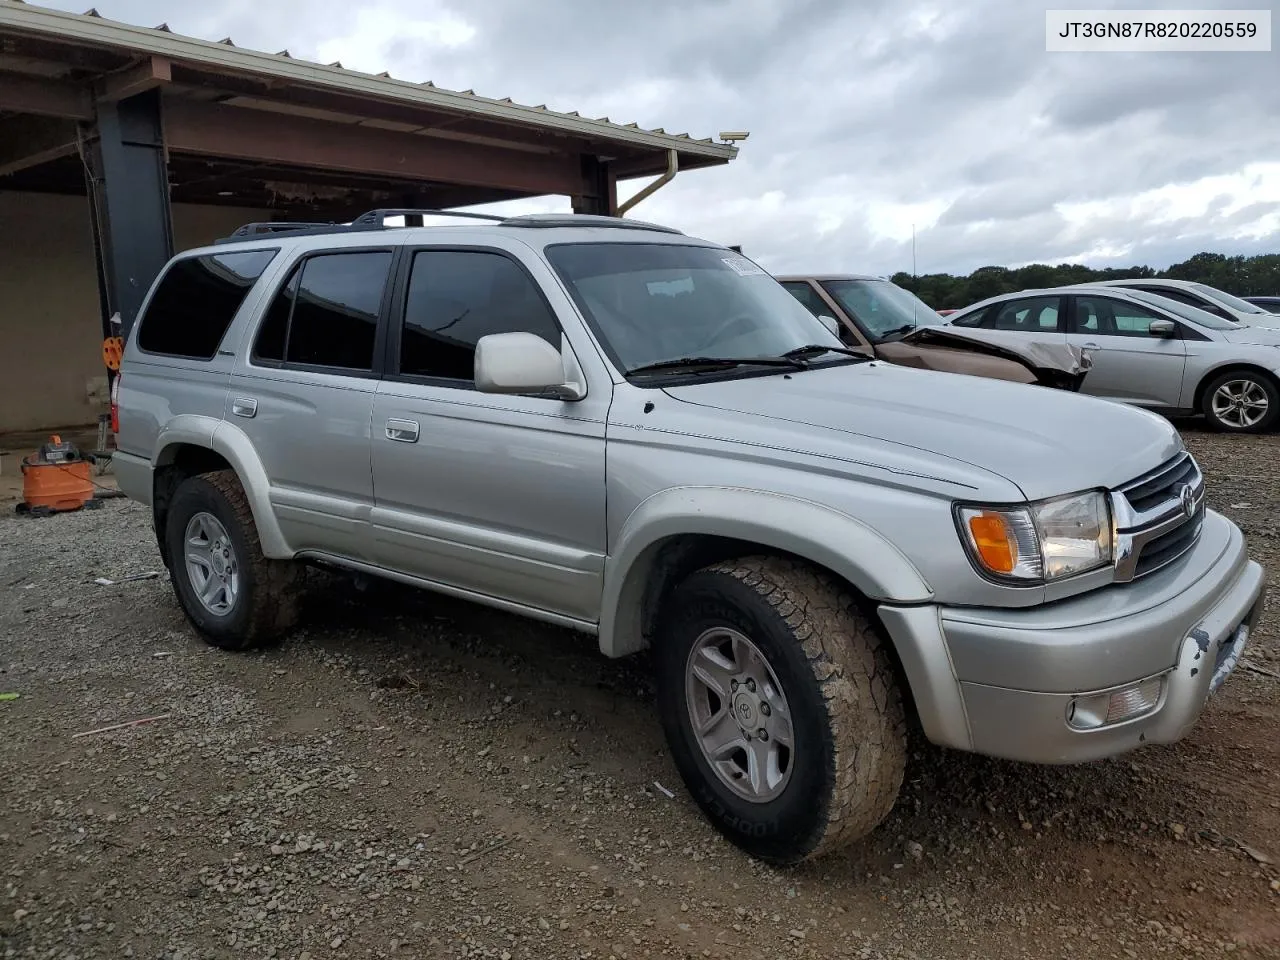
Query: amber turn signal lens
[994, 541]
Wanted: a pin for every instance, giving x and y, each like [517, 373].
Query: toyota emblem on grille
[1188, 498]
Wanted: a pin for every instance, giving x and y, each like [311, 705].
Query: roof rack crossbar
[379, 217]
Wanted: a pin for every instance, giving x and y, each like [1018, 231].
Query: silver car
[1149, 350]
[1207, 298]
[626, 431]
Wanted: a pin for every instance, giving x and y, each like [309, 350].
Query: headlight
[1041, 541]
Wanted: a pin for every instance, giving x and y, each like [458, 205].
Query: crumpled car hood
[1062, 357]
[1047, 442]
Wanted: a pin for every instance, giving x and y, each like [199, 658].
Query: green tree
[1243, 276]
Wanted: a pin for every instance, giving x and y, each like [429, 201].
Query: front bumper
[1002, 682]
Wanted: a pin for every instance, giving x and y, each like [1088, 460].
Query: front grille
[1162, 485]
[1161, 551]
[1152, 522]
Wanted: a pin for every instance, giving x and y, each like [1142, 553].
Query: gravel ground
[413, 776]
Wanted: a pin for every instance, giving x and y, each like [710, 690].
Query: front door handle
[404, 431]
[244, 406]
[1091, 346]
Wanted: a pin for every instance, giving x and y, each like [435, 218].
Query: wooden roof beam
[152, 72]
[44, 96]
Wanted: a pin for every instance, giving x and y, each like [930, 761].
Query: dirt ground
[412, 776]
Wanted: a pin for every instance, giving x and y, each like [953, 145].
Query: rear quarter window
[196, 300]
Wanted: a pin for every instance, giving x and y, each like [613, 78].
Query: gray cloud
[855, 108]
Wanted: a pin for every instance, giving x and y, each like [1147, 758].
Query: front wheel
[780, 707]
[1241, 401]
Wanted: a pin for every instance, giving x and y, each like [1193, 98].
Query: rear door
[1129, 363]
[303, 394]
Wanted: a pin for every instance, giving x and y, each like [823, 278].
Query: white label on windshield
[742, 266]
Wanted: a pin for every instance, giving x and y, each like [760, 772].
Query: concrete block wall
[51, 371]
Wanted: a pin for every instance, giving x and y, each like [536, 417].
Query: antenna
[913, 251]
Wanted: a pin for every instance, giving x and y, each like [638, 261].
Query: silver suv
[614, 427]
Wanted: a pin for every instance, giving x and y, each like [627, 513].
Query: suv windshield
[1201, 318]
[1227, 300]
[881, 307]
[653, 303]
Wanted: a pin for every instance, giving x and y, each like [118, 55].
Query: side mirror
[830, 323]
[522, 363]
[1162, 328]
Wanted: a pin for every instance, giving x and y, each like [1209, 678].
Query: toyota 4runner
[612, 426]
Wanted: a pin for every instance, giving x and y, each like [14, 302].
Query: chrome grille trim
[1151, 518]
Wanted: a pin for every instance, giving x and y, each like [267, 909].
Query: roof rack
[277, 226]
[378, 217]
[377, 220]
[584, 220]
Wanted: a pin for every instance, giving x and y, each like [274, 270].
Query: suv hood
[1047, 442]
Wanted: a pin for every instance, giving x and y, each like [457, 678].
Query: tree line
[1243, 276]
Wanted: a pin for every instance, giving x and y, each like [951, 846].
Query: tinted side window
[1034, 315]
[327, 314]
[809, 297]
[1117, 318]
[196, 301]
[269, 345]
[457, 297]
[335, 315]
[974, 319]
[1190, 299]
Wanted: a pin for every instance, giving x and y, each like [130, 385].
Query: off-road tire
[1268, 386]
[846, 707]
[267, 604]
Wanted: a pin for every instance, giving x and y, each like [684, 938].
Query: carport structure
[174, 141]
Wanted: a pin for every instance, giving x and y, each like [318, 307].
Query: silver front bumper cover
[1002, 683]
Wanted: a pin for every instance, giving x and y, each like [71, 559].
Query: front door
[1129, 363]
[304, 396]
[501, 496]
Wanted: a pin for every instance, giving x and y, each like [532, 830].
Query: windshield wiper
[813, 349]
[897, 331]
[702, 364]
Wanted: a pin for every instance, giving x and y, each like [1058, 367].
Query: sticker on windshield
[742, 266]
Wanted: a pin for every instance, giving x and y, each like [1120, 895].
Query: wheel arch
[677, 531]
[1230, 367]
[191, 445]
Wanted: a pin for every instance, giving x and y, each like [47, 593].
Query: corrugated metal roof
[92, 29]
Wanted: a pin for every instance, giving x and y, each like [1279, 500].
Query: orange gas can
[55, 479]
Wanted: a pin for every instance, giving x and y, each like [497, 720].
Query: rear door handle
[1091, 346]
[244, 406]
[404, 431]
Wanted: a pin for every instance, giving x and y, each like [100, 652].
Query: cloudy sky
[866, 117]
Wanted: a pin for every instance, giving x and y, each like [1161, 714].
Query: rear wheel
[1241, 401]
[780, 707]
[232, 594]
